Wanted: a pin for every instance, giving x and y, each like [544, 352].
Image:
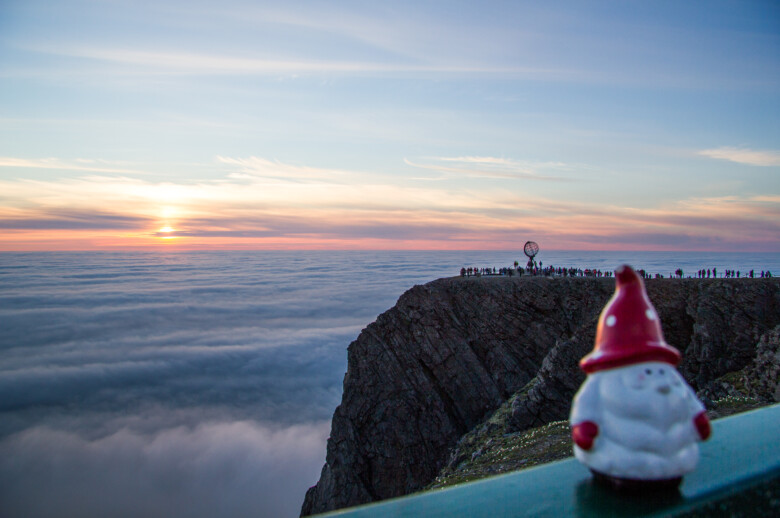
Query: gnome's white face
[652, 391]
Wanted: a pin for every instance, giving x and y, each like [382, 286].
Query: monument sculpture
[530, 249]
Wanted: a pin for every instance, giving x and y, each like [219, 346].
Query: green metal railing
[743, 453]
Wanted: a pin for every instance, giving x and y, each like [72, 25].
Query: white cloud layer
[172, 385]
[225, 469]
[178, 385]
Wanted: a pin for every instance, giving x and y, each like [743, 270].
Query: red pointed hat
[629, 331]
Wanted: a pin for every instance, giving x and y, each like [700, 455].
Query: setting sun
[166, 230]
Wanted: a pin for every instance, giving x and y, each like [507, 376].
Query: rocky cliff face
[452, 351]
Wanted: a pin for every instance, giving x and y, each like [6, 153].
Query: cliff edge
[449, 353]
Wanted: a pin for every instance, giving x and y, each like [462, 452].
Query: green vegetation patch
[730, 405]
[502, 453]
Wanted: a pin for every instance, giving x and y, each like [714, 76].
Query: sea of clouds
[189, 384]
[179, 384]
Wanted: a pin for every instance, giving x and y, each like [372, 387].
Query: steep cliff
[449, 353]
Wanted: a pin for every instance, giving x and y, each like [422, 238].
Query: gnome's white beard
[645, 417]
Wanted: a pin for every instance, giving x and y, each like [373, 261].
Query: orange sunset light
[166, 230]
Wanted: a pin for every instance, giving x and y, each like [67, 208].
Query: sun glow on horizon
[166, 230]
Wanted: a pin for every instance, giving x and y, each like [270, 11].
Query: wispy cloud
[254, 167]
[69, 219]
[494, 167]
[694, 223]
[765, 158]
[265, 203]
[82, 164]
[174, 62]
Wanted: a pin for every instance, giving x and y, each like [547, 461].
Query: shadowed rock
[452, 351]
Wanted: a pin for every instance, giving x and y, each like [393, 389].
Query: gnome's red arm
[584, 433]
[702, 423]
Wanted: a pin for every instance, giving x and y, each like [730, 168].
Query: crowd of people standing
[549, 271]
[733, 274]
[552, 271]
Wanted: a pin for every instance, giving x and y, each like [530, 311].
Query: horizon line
[293, 249]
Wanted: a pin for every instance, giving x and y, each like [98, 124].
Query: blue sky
[599, 125]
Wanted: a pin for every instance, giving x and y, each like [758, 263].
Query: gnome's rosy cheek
[635, 380]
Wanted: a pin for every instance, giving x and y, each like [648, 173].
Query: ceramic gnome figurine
[635, 421]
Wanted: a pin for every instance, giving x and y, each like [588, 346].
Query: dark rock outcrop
[762, 376]
[759, 380]
[452, 351]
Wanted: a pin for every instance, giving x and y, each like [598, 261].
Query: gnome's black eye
[660, 371]
[648, 371]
